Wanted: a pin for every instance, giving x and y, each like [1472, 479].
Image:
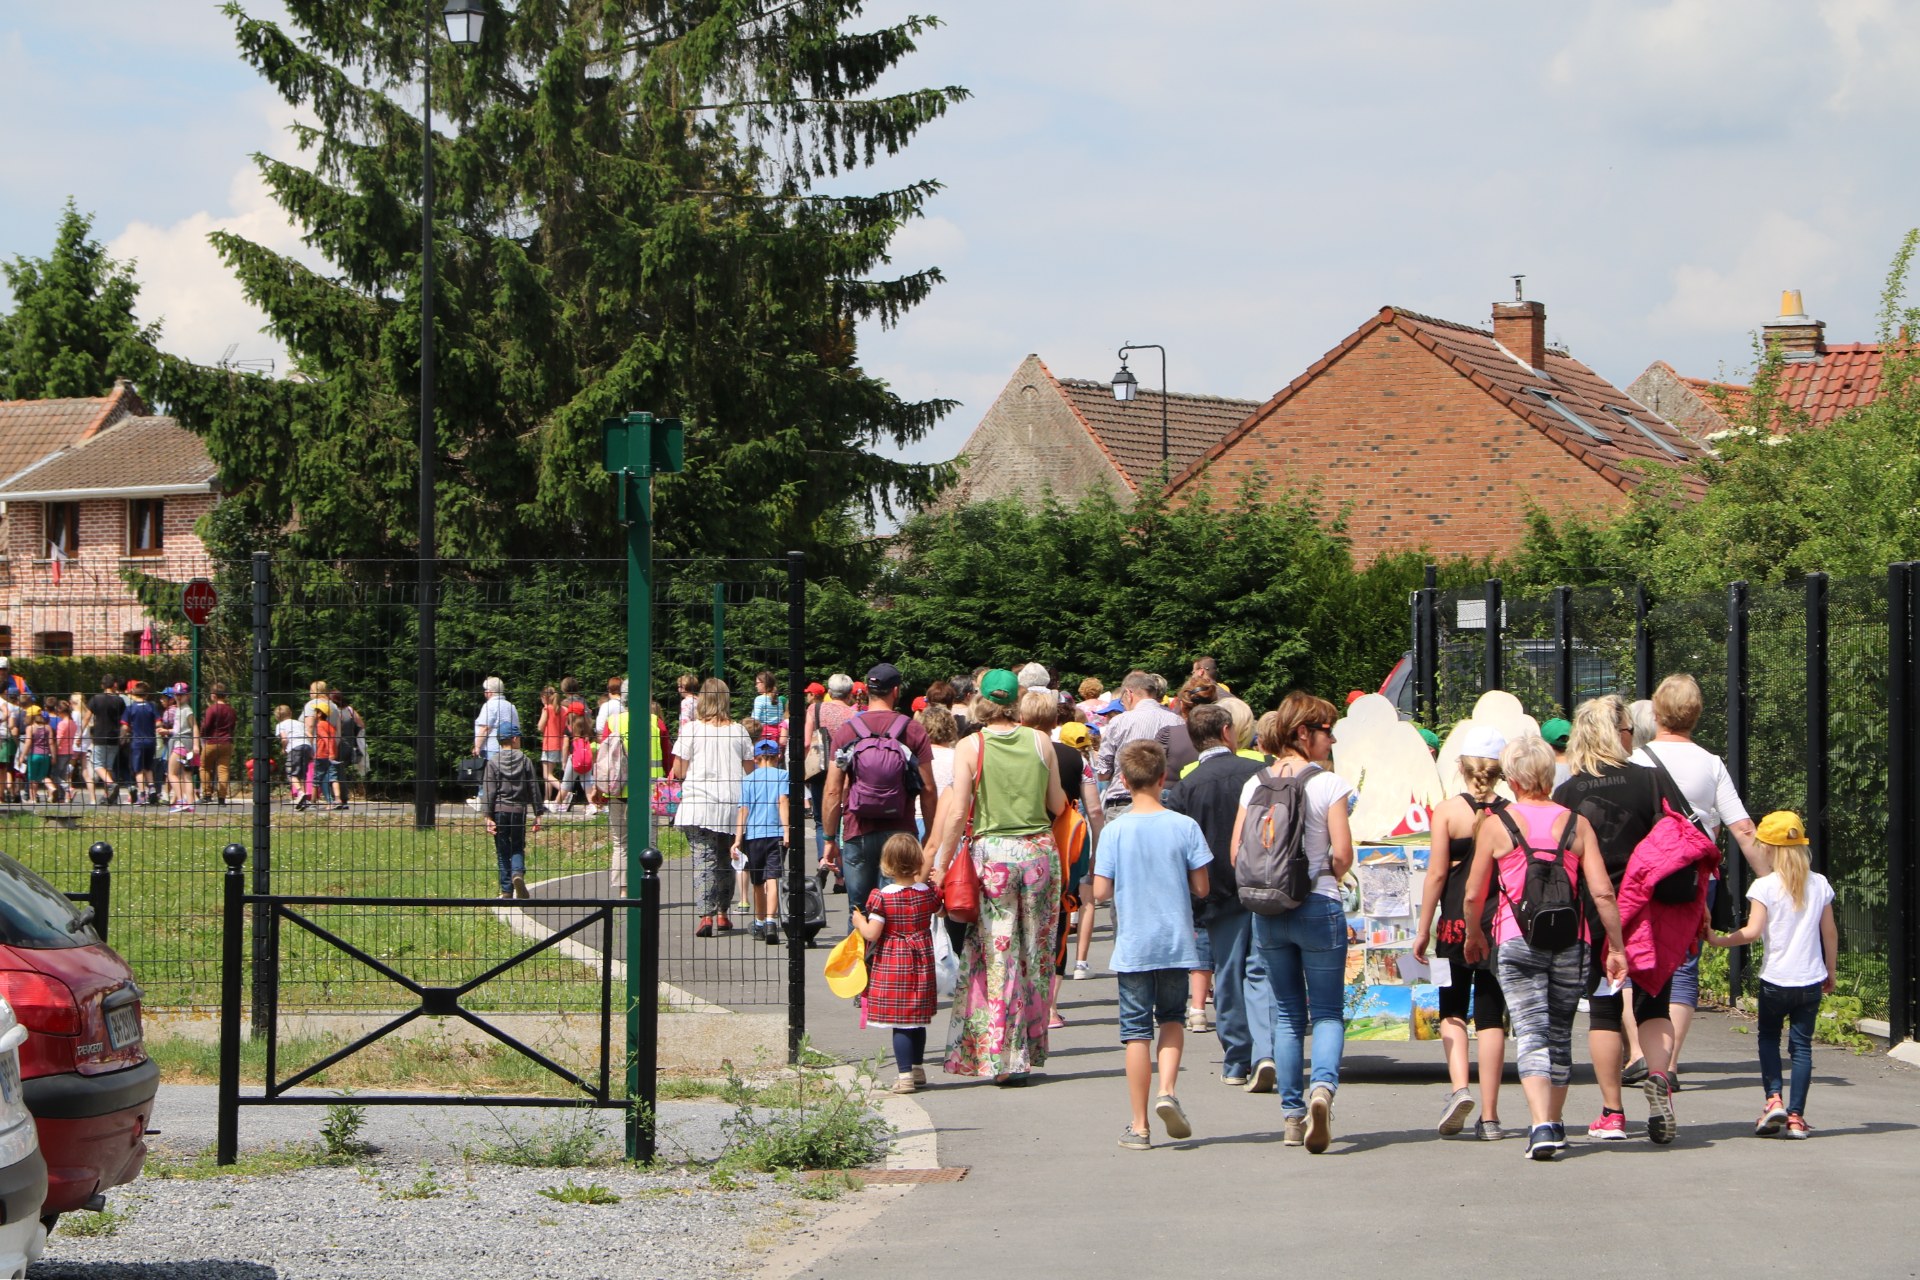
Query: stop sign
[197, 599]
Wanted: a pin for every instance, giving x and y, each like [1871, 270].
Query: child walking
[760, 837]
[295, 751]
[510, 800]
[1791, 911]
[1151, 863]
[897, 924]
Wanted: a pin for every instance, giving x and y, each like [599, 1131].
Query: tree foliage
[72, 330]
[627, 216]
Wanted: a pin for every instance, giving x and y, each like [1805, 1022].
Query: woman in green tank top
[1009, 784]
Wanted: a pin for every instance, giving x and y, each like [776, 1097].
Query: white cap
[1482, 740]
[1033, 676]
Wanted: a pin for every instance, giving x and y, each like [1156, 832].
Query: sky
[1242, 181]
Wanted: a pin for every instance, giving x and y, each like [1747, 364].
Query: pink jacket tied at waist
[1661, 935]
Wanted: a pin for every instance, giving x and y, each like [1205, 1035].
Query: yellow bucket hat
[847, 967]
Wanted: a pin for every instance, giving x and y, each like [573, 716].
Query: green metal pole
[639, 792]
[194, 679]
[719, 631]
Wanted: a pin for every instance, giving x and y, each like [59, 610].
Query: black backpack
[1548, 909]
[1272, 869]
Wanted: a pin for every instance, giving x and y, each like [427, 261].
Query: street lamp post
[463, 20]
[1126, 388]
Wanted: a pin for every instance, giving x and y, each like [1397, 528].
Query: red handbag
[960, 887]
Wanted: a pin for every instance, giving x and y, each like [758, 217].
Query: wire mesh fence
[339, 642]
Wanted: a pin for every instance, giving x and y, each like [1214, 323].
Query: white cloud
[1779, 252]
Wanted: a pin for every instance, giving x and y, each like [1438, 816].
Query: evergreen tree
[627, 216]
[71, 331]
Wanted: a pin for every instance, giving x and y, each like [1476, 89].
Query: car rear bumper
[71, 1096]
[23, 1189]
[92, 1131]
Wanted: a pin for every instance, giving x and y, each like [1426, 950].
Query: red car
[86, 1074]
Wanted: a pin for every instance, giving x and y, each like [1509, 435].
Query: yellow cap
[847, 967]
[1782, 827]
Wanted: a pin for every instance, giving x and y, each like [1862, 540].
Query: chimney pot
[1796, 335]
[1521, 327]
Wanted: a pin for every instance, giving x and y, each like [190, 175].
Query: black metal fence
[1807, 689]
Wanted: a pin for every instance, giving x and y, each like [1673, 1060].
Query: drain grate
[953, 1174]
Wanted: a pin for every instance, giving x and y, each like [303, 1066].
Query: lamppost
[1126, 388]
[462, 19]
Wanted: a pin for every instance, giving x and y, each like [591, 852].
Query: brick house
[1438, 435]
[1819, 381]
[1071, 436]
[112, 488]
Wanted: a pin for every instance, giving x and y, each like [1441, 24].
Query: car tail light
[42, 1003]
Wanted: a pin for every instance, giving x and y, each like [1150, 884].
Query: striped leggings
[1543, 993]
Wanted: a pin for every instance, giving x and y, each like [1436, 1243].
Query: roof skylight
[1553, 402]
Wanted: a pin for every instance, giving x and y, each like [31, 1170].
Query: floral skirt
[1000, 1009]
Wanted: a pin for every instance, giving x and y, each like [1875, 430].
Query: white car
[23, 1173]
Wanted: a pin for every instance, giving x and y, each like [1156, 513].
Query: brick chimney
[1796, 335]
[1521, 327]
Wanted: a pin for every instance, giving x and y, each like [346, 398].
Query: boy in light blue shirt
[760, 836]
[1151, 863]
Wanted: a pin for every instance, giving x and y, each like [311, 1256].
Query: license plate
[9, 1079]
[123, 1026]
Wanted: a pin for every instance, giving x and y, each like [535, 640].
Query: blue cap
[766, 747]
[506, 729]
[1113, 708]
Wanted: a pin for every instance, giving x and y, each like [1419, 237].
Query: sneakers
[1172, 1118]
[1134, 1140]
[1294, 1131]
[758, 929]
[772, 935]
[1797, 1126]
[1453, 1116]
[1634, 1072]
[1319, 1119]
[1488, 1130]
[520, 888]
[704, 929]
[1773, 1118]
[905, 1083]
[721, 924]
[1263, 1077]
[1082, 971]
[920, 1076]
[1608, 1128]
[1196, 1021]
[1540, 1143]
[300, 805]
[1661, 1125]
[1234, 1077]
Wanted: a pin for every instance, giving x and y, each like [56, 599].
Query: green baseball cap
[1556, 732]
[1431, 738]
[1000, 686]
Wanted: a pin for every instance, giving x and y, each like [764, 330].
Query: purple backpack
[885, 775]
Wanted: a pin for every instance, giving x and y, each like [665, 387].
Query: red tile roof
[1130, 432]
[1845, 376]
[1624, 436]
[32, 429]
[132, 456]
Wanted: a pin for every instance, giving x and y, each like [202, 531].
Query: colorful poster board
[1390, 992]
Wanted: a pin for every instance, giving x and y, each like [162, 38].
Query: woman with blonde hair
[1621, 801]
[1471, 988]
[1304, 951]
[711, 757]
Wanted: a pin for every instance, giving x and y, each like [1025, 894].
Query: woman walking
[553, 731]
[711, 758]
[183, 752]
[1007, 779]
[1304, 950]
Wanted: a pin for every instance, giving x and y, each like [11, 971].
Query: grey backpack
[1271, 867]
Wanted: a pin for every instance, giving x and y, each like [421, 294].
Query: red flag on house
[58, 554]
[146, 641]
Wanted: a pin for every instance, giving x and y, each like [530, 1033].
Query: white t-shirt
[608, 710]
[1324, 789]
[1702, 778]
[1795, 956]
[942, 768]
[710, 794]
[292, 734]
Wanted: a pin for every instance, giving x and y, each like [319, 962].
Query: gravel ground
[483, 1219]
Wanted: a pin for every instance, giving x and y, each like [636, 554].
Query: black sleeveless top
[1460, 848]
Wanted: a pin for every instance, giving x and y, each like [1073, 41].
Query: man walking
[494, 712]
[106, 707]
[1143, 718]
[880, 762]
[1210, 795]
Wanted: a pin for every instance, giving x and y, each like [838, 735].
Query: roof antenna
[1517, 295]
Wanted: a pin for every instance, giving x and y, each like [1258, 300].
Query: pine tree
[71, 331]
[628, 215]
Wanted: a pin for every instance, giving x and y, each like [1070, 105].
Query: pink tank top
[1536, 823]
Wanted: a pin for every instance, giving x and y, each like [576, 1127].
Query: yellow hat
[1075, 735]
[847, 967]
[1782, 827]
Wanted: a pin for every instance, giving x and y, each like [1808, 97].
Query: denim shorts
[1149, 999]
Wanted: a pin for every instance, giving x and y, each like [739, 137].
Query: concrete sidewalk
[1050, 1192]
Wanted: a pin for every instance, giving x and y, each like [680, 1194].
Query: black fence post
[797, 870]
[1492, 677]
[1415, 648]
[100, 885]
[1642, 643]
[227, 1138]
[1900, 801]
[1734, 877]
[1428, 690]
[1817, 729]
[1563, 649]
[647, 1039]
[262, 781]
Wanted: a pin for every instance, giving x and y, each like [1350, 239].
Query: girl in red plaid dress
[898, 927]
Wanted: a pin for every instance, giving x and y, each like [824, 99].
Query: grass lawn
[166, 902]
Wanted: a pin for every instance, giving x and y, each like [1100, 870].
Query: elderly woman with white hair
[824, 718]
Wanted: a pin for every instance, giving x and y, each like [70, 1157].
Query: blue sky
[1242, 181]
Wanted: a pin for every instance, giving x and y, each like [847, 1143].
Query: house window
[1553, 402]
[63, 527]
[6, 642]
[130, 642]
[144, 518]
[54, 644]
[1627, 417]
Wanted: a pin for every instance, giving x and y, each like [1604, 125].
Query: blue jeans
[323, 774]
[1305, 955]
[509, 846]
[1241, 993]
[1799, 1008]
[860, 862]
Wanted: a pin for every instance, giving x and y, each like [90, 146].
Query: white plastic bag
[946, 965]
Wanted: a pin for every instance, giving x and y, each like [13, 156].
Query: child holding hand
[1791, 911]
[896, 921]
